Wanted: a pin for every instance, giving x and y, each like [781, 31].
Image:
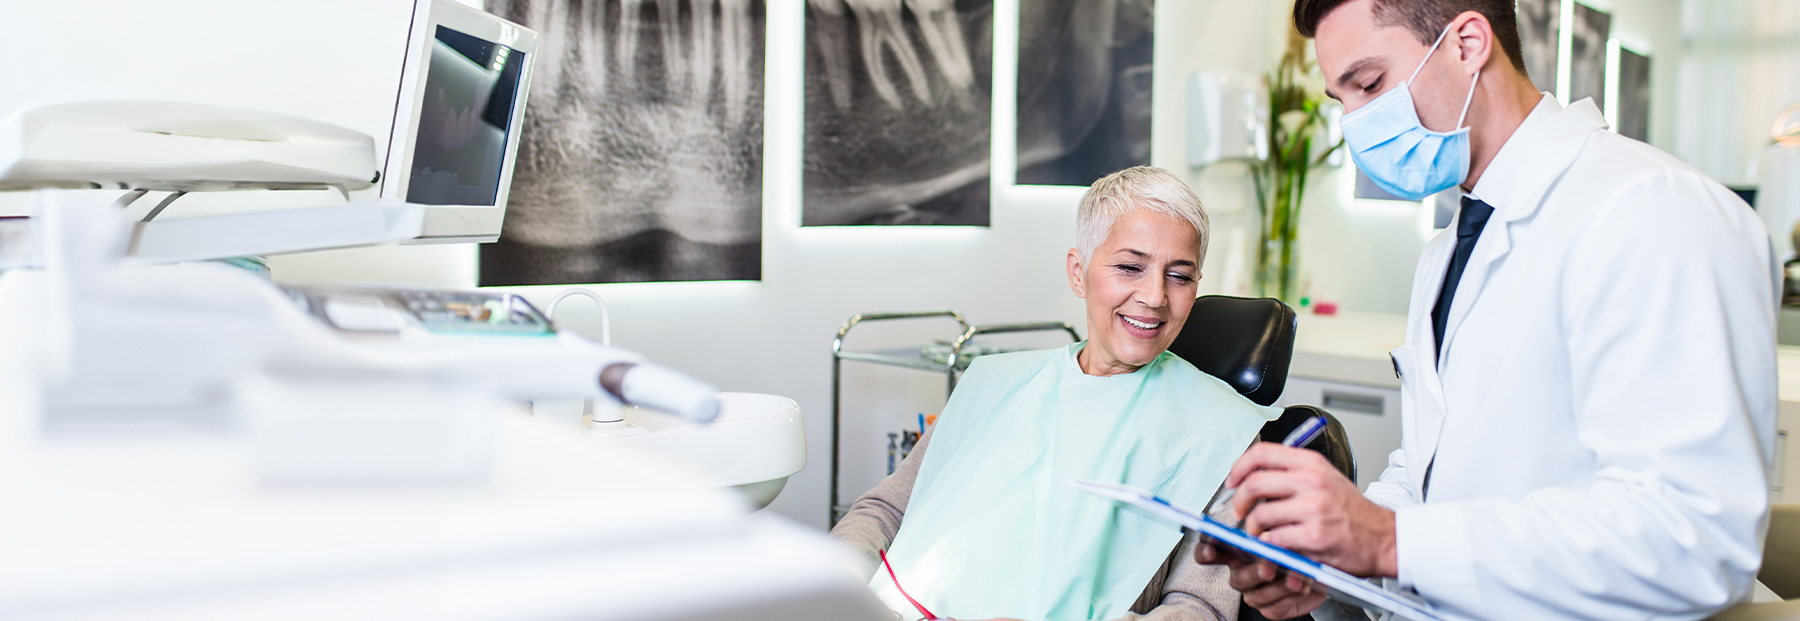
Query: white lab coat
[1603, 414]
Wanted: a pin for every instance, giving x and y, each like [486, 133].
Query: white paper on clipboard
[1340, 586]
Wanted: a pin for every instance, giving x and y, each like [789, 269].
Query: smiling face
[1139, 286]
[1363, 58]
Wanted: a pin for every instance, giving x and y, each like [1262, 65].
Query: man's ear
[1475, 39]
[1075, 268]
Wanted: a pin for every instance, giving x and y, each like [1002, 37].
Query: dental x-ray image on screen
[898, 95]
[1084, 89]
[641, 156]
[1539, 21]
[464, 120]
[1587, 55]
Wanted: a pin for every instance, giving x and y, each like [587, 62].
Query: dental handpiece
[567, 367]
[660, 388]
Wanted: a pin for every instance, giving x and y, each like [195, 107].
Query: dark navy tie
[1468, 229]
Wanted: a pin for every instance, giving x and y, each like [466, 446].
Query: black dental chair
[1249, 343]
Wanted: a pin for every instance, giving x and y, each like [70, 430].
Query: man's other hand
[1275, 593]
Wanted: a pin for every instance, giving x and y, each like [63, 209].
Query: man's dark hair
[1426, 19]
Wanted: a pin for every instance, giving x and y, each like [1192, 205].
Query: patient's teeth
[1141, 325]
[881, 24]
[944, 37]
[738, 52]
[551, 43]
[668, 21]
[629, 13]
[707, 48]
[828, 27]
[589, 37]
[704, 49]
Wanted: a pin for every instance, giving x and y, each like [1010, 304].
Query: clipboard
[1339, 586]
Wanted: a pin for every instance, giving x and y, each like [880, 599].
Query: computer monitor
[457, 119]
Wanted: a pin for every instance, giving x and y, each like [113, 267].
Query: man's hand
[1295, 499]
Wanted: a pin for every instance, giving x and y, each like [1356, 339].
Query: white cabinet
[1371, 417]
[1784, 477]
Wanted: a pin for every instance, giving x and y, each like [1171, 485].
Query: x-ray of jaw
[641, 155]
[897, 112]
[1084, 88]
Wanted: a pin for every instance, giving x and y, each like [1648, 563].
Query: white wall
[1740, 66]
[1653, 27]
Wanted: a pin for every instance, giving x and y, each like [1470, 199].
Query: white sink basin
[757, 442]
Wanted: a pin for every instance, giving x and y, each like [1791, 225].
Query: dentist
[1588, 377]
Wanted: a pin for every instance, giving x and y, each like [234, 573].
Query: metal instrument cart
[911, 358]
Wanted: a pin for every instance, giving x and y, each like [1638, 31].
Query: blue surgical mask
[1395, 150]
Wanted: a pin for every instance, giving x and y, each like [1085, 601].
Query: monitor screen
[465, 116]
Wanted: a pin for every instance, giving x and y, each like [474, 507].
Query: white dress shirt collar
[1499, 181]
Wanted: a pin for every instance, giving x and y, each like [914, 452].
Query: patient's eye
[1129, 268]
[1180, 278]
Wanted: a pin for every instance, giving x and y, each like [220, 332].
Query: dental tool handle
[661, 388]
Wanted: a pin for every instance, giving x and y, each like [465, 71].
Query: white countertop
[1350, 348]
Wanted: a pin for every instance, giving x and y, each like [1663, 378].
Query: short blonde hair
[1140, 187]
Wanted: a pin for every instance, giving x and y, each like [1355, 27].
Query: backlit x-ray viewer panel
[460, 106]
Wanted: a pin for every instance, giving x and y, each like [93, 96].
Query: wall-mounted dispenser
[1228, 118]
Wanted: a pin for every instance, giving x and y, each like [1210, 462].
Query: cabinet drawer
[1371, 418]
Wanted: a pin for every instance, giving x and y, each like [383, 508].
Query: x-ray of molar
[898, 130]
[1084, 88]
[641, 156]
[1587, 55]
[1539, 21]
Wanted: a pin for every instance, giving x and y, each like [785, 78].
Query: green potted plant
[1300, 115]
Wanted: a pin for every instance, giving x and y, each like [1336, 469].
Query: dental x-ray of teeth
[1587, 55]
[1539, 21]
[1084, 88]
[898, 130]
[641, 158]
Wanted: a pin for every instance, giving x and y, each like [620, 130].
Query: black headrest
[1334, 443]
[1248, 342]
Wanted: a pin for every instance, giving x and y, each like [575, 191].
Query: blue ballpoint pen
[1298, 438]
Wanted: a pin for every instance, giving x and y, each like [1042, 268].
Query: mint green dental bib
[993, 528]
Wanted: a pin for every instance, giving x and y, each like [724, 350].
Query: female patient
[980, 521]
